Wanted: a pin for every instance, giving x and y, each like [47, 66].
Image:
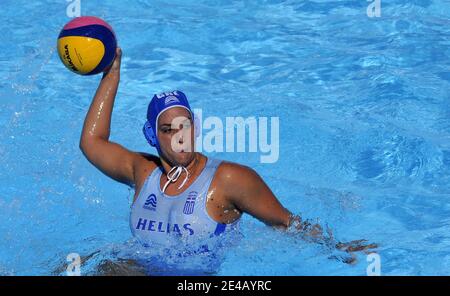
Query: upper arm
[247, 191]
[112, 159]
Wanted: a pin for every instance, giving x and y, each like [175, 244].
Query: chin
[183, 158]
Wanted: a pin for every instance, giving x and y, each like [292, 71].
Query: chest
[186, 207]
[190, 204]
[213, 199]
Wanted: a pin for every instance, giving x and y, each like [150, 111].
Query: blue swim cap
[159, 104]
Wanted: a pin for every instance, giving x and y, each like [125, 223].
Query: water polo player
[182, 193]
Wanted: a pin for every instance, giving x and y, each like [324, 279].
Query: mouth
[185, 150]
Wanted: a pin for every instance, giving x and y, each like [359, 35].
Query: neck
[191, 167]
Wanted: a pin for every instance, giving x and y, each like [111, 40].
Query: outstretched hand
[352, 247]
[356, 246]
[314, 232]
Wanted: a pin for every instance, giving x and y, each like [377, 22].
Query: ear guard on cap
[149, 134]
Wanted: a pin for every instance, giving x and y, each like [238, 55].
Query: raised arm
[111, 158]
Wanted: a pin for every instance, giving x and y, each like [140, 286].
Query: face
[176, 136]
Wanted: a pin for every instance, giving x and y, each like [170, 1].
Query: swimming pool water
[363, 105]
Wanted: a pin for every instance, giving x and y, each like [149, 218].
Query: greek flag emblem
[190, 203]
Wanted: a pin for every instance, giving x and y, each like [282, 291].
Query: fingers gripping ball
[87, 45]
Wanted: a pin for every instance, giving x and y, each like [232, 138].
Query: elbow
[90, 145]
[88, 140]
[82, 145]
[87, 148]
[86, 143]
[84, 149]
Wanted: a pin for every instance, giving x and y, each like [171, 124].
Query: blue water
[363, 105]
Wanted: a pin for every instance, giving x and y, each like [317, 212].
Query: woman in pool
[182, 193]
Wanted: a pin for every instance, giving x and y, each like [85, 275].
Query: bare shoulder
[241, 186]
[230, 173]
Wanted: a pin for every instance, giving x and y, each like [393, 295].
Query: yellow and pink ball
[87, 45]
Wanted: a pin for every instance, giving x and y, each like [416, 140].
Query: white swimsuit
[158, 219]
